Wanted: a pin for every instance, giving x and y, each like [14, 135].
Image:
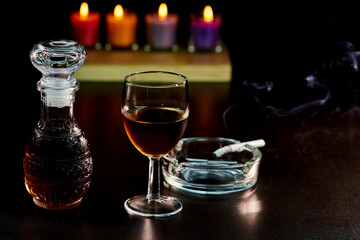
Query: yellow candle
[121, 27]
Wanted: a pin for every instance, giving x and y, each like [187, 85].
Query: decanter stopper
[58, 60]
[62, 57]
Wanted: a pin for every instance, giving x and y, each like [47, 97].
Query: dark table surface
[308, 186]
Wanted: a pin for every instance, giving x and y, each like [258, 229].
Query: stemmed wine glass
[155, 109]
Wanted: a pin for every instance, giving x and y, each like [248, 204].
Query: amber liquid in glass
[58, 162]
[154, 131]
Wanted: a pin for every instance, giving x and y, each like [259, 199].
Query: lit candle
[205, 29]
[121, 27]
[85, 26]
[161, 28]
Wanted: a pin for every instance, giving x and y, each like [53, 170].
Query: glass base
[162, 207]
[57, 206]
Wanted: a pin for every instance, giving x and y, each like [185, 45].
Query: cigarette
[238, 147]
[199, 160]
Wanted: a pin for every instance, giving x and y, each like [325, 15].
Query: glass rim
[185, 79]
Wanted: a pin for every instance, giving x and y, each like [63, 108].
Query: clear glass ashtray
[194, 167]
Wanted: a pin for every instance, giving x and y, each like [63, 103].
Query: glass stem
[154, 179]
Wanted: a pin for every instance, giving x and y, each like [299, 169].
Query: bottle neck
[57, 114]
[58, 90]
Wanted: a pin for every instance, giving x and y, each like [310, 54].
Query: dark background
[267, 40]
[281, 42]
[264, 37]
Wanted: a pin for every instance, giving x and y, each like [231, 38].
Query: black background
[265, 38]
[268, 40]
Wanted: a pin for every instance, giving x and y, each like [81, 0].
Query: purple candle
[161, 28]
[205, 30]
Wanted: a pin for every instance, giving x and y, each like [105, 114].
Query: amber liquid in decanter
[58, 163]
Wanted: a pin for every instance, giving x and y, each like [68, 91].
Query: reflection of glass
[249, 208]
[155, 109]
[147, 230]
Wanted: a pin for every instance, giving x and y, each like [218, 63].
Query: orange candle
[121, 27]
[85, 25]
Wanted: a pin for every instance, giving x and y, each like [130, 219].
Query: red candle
[85, 26]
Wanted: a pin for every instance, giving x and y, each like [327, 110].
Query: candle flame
[84, 10]
[208, 14]
[119, 12]
[163, 11]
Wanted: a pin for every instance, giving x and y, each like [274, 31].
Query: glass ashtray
[192, 166]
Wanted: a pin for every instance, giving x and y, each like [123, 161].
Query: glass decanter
[58, 163]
